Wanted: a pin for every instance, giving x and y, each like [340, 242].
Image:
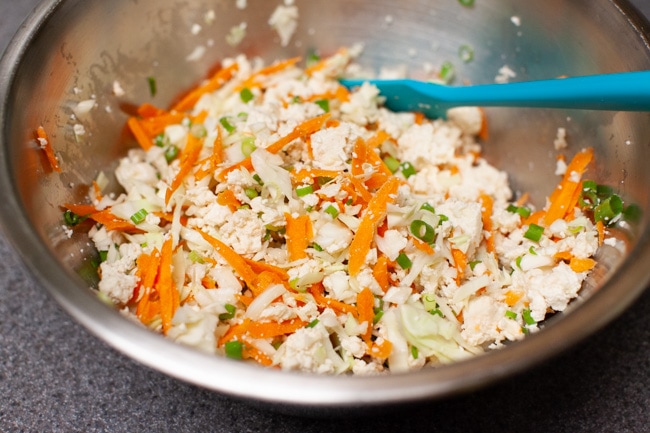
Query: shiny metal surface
[70, 50]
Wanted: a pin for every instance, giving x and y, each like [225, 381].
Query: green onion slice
[139, 216]
[523, 211]
[312, 323]
[423, 231]
[511, 315]
[324, 104]
[230, 312]
[171, 153]
[534, 232]
[332, 210]
[225, 122]
[404, 261]
[391, 163]
[234, 349]
[153, 87]
[248, 146]
[246, 95]
[528, 319]
[407, 169]
[302, 191]
[466, 53]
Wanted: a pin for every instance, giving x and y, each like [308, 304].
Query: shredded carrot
[209, 164]
[309, 174]
[381, 350]
[141, 136]
[153, 126]
[46, 145]
[534, 218]
[111, 222]
[274, 329]
[422, 246]
[323, 301]
[253, 80]
[227, 198]
[148, 110]
[486, 215]
[218, 79]
[82, 210]
[581, 265]
[303, 130]
[297, 236]
[460, 262]
[564, 198]
[522, 200]
[483, 133]
[208, 282]
[246, 300]
[235, 332]
[512, 297]
[169, 296]
[365, 308]
[147, 270]
[189, 156]
[235, 260]
[563, 255]
[600, 227]
[249, 351]
[263, 281]
[371, 218]
[97, 191]
[360, 189]
[259, 267]
[380, 272]
[323, 63]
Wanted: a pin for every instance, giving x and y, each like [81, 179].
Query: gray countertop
[55, 376]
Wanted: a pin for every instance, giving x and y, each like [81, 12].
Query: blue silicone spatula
[625, 91]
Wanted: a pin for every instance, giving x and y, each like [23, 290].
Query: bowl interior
[73, 50]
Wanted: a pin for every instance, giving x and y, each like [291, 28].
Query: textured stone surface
[55, 376]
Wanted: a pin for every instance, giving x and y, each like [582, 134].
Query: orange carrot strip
[309, 174]
[46, 145]
[317, 292]
[422, 246]
[246, 300]
[365, 308]
[297, 236]
[227, 198]
[600, 227]
[235, 260]
[149, 110]
[381, 350]
[111, 222]
[80, 209]
[534, 218]
[512, 297]
[360, 189]
[169, 296]
[147, 271]
[141, 136]
[235, 332]
[483, 133]
[274, 329]
[460, 262]
[252, 80]
[259, 267]
[371, 218]
[219, 79]
[263, 281]
[153, 126]
[562, 199]
[189, 157]
[581, 265]
[303, 130]
[380, 272]
[563, 255]
[251, 352]
[486, 215]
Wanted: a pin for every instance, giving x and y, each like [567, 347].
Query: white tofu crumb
[117, 89]
[284, 21]
[504, 75]
[197, 54]
[241, 4]
[196, 29]
[236, 34]
[560, 140]
[515, 20]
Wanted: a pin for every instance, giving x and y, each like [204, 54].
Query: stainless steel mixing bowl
[71, 50]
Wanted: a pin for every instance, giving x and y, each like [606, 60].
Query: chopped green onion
[528, 319]
[72, 219]
[436, 311]
[153, 88]
[391, 163]
[324, 104]
[258, 179]
[139, 216]
[251, 193]
[467, 3]
[312, 323]
[248, 146]
[195, 257]
[332, 210]
[296, 100]
[608, 209]
[160, 140]
[171, 153]
[632, 213]
[532, 251]
[230, 312]
[446, 72]
[443, 218]
[407, 169]
[466, 53]
[377, 317]
[312, 59]
[427, 206]
[523, 211]
[473, 263]
[234, 349]
[404, 261]
[317, 247]
[304, 190]
[429, 302]
[103, 255]
[227, 125]
[350, 201]
[518, 261]
[511, 315]
[534, 232]
[246, 95]
[414, 352]
[423, 231]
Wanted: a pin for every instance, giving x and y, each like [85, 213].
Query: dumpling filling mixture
[272, 215]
